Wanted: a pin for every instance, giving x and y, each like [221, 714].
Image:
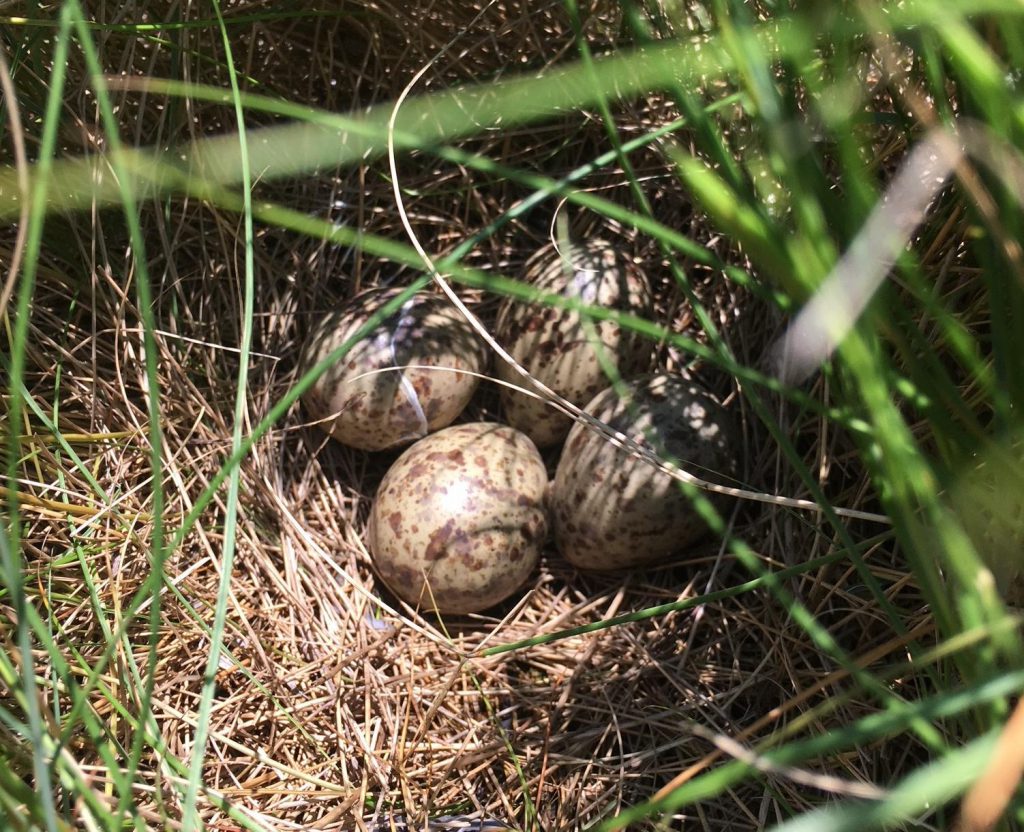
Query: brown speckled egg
[459, 519]
[554, 344]
[612, 510]
[379, 410]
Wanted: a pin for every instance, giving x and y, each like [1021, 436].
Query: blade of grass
[190, 817]
[983, 79]
[158, 549]
[10, 539]
[729, 211]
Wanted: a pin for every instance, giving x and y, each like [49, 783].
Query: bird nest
[334, 703]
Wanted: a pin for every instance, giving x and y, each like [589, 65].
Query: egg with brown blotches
[612, 510]
[558, 346]
[459, 519]
[411, 375]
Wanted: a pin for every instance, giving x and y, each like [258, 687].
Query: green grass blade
[158, 548]
[190, 817]
[10, 540]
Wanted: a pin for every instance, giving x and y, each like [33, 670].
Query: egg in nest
[410, 376]
[612, 510]
[459, 519]
[557, 346]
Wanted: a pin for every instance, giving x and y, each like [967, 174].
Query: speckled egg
[555, 345]
[372, 410]
[459, 519]
[612, 510]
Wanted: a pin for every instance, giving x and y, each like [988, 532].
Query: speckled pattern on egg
[462, 510]
[388, 409]
[611, 510]
[554, 344]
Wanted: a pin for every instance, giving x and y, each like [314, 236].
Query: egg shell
[463, 512]
[555, 345]
[375, 411]
[612, 510]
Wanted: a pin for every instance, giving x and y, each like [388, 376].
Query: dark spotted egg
[459, 519]
[362, 402]
[557, 346]
[612, 510]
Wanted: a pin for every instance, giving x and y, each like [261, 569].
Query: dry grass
[336, 704]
